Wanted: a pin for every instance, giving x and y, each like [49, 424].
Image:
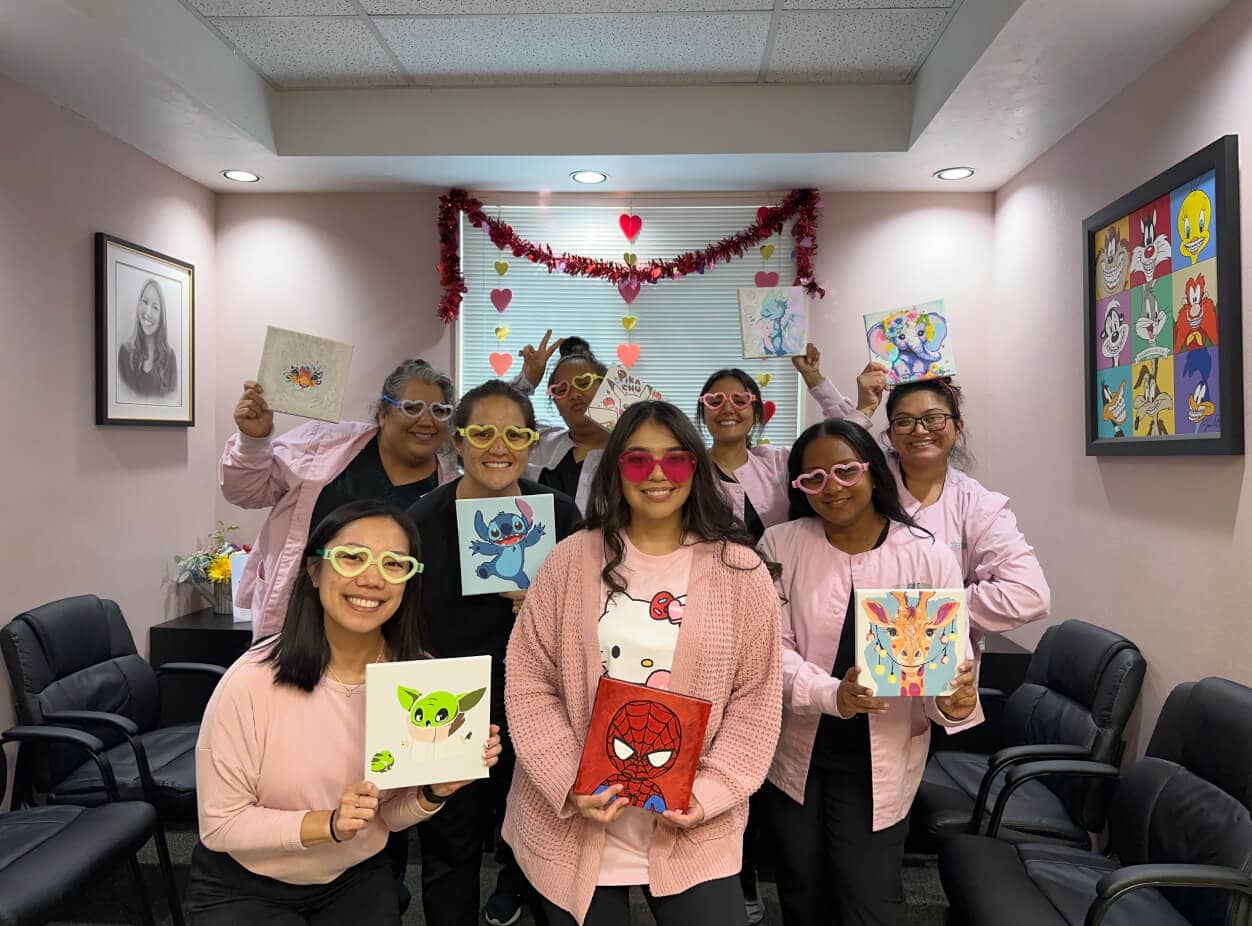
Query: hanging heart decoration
[502, 267]
[501, 298]
[767, 251]
[630, 225]
[502, 333]
[628, 322]
[629, 258]
[763, 378]
[628, 354]
[629, 289]
[762, 214]
[766, 279]
[501, 363]
[767, 411]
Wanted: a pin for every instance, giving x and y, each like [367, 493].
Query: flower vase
[222, 600]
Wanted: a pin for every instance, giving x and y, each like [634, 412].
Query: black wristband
[432, 797]
[332, 825]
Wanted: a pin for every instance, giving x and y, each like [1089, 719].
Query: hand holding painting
[872, 384]
[253, 416]
[854, 698]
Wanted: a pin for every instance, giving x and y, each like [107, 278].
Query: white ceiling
[665, 95]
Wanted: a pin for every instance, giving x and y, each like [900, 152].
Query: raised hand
[809, 365]
[253, 417]
[871, 383]
[535, 359]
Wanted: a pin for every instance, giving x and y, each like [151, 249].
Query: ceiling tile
[864, 4]
[599, 49]
[313, 51]
[504, 7]
[861, 46]
[274, 7]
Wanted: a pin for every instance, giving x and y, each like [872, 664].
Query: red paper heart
[630, 225]
[628, 354]
[766, 279]
[501, 298]
[767, 411]
[501, 363]
[629, 289]
[762, 214]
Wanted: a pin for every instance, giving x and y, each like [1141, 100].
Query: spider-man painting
[642, 742]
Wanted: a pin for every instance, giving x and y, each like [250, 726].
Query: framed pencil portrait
[1163, 313]
[145, 336]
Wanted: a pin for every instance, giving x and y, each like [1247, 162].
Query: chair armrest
[1119, 883]
[67, 736]
[201, 668]
[89, 718]
[1015, 755]
[986, 694]
[1019, 775]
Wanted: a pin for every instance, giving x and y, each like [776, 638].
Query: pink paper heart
[630, 225]
[628, 354]
[501, 298]
[766, 279]
[767, 411]
[501, 363]
[629, 289]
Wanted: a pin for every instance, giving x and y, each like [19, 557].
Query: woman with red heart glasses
[662, 589]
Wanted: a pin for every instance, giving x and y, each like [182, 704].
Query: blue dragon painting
[505, 539]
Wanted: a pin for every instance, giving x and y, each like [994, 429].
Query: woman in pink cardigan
[848, 764]
[660, 590]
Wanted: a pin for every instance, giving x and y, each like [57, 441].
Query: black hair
[706, 515]
[749, 385]
[951, 396]
[576, 348]
[885, 495]
[493, 388]
[300, 652]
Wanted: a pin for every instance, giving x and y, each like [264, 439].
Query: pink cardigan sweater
[817, 581]
[287, 474]
[727, 652]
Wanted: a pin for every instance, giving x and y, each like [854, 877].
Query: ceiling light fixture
[240, 176]
[589, 176]
[954, 173]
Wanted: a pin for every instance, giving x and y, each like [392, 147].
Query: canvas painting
[503, 541]
[426, 721]
[910, 640]
[912, 343]
[646, 739]
[1164, 365]
[304, 375]
[619, 390]
[773, 321]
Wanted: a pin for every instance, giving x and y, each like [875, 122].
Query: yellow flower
[219, 569]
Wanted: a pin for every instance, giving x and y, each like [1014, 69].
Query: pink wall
[352, 267]
[1158, 549]
[89, 509]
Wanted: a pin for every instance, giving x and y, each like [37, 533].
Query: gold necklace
[350, 690]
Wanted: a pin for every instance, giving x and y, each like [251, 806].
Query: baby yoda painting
[426, 721]
[503, 541]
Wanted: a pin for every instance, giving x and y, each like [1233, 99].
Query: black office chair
[1082, 684]
[1180, 833]
[73, 662]
[49, 853]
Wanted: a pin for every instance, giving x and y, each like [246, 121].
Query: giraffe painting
[913, 639]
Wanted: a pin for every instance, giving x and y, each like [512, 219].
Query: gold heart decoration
[502, 333]
[628, 322]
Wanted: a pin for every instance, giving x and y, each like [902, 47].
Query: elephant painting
[912, 343]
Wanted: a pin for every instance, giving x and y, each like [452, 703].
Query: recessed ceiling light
[954, 173]
[589, 176]
[240, 176]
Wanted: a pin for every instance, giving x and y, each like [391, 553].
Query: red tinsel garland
[801, 205]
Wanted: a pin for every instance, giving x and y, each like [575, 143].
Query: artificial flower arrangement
[208, 570]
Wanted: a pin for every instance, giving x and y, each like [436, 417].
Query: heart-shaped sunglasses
[845, 474]
[676, 465]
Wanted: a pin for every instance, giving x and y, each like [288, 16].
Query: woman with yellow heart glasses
[493, 431]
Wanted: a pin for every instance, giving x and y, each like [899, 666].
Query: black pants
[713, 903]
[221, 892]
[832, 868]
[452, 847]
[753, 850]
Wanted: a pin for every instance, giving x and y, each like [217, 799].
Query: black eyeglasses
[931, 421]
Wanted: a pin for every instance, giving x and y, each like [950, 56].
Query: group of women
[759, 548]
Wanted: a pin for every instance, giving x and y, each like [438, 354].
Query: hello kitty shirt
[638, 633]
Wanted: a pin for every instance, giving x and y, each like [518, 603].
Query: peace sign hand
[535, 359]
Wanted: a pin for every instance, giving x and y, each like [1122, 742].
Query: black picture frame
[1105, 328]
[144, 378]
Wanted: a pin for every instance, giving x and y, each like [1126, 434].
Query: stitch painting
[773, 321]
[910, 641]
[503, 541]
[304, 375]
[426, 720]
[913, 343]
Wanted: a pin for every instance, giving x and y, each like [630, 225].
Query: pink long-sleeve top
[267, 755]
[1004, 583]
[727, 652]
[816, 584]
